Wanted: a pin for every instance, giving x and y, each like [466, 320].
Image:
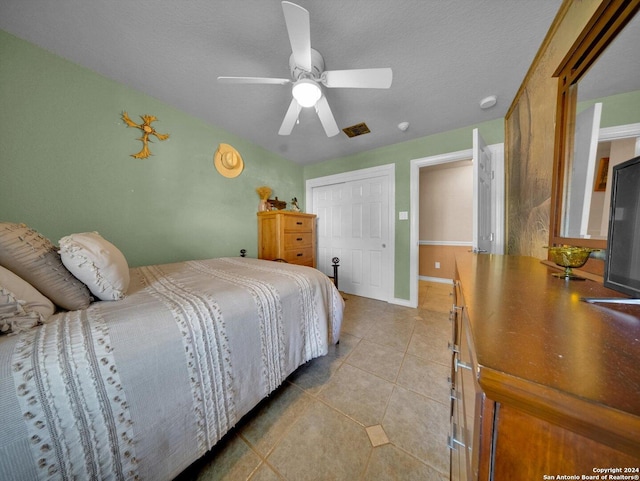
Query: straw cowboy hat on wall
[228, 161]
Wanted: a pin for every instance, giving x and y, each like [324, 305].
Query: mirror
[601, 139]
[598, 124]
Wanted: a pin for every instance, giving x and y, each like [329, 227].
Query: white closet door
[353, 224]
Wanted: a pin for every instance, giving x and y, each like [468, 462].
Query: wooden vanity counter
[542, 352]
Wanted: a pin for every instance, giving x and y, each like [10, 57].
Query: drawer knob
[300, 254]
[298, 223]
[452, 442]
[463, 365]
[299, 238]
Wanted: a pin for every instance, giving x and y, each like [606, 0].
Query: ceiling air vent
[355, 130]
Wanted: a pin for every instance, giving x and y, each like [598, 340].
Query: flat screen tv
[622, 261]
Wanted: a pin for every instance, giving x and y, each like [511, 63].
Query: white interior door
[483, 219]
[582, 171]
[353, 224]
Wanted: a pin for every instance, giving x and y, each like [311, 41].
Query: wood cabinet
[472, 412]
[290, 236]
[543, 384]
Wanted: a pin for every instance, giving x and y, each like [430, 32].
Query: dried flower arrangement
[264, 192]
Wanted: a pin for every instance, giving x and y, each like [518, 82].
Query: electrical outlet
[437, 265]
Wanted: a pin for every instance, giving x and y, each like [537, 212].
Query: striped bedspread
[142, 387]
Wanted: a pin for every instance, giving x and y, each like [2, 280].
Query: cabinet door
[268, 238]
[527, 447]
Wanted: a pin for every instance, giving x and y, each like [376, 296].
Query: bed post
[335, 261]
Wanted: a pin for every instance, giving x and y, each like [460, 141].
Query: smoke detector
[488, 102]
[403, 126]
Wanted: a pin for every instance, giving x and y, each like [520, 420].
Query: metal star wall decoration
[147, 130]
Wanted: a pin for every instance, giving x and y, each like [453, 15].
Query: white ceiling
[445, 55]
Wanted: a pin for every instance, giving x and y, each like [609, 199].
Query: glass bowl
[569, 257]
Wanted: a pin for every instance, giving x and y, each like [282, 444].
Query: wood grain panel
[529, 135]
[528, 448]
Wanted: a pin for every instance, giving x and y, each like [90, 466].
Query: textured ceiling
[445, 55]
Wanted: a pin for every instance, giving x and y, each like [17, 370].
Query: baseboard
[441, 280]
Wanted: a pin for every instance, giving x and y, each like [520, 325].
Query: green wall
[65, 165]
[401, 155]
[619, 109]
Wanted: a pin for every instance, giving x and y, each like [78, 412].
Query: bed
[141, 387]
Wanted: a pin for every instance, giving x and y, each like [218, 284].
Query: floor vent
[355, 130]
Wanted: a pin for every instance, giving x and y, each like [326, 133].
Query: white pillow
[22, 306]
[96, 262]
[33, 257]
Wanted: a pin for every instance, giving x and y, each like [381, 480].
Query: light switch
[403, 215]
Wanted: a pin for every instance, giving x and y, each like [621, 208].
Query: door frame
[621, 132]
[414, 193]
[388, 171]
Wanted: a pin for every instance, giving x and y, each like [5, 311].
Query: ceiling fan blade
[290, 118]
[366, 78]
[326, 117]
[253, 80]
[299, 29]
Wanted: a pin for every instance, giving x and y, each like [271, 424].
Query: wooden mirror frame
[609, 19]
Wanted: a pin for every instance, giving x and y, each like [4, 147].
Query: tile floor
[375, 408]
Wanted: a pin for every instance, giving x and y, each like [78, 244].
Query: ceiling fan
[308, 74]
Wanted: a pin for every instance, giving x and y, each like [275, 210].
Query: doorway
[445, 224]
[496, 200]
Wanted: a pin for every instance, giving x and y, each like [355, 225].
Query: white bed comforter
[142, 387]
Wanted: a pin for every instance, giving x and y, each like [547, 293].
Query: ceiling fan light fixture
[306, 92]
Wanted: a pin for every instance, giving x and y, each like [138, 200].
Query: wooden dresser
[542, 383]
[287, 235]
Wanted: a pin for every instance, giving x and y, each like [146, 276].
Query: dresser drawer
[287, 235]
[302, 224]
[303, 256]
[297, 240]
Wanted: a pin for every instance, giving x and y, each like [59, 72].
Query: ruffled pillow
[96, 262]
[35, 259]
[21, 305]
